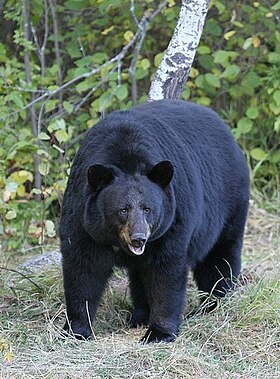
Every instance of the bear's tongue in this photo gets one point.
(137, 250)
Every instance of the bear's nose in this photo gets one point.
(138, 239)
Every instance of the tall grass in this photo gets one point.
(241, 339)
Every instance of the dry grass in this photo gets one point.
(241, 339)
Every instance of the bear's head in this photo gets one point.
(125, 210)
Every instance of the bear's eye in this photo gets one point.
(123, 211)
(147, 210)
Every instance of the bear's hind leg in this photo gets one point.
(141, 311)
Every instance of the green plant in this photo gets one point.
(77, 77)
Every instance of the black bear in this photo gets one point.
(159, 189)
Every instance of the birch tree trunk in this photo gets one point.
(173, 71)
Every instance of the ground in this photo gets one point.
(241, 339)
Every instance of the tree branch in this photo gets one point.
(142, 27)
(145, 20)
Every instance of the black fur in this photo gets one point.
(122, 182)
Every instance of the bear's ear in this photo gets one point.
(161, 173)
(99, 176)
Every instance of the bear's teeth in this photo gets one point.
(136, 250)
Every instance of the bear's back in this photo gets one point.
(183, 132)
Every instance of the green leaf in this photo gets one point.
(275, 157)
(231, 72)
(42, 152)
(60, 123)
(186, 93)
(99, 58)
(57, 125)
(212, 80)
(36, 191)
(81, 71)
(121, 92)
(50, 229)
(145, 63)
(247, 43)
(252, 113)
(141, 73)
(76, 5)
(68, 106)
(276, 6)
(223, 57)
(83, 117)
(50, 105)
(44, 168)
(276, 97)
(204, 101)
(220, 6)
(244, 125)
(43, 136)
(273, 57)
(61, 135)
(207, 62)
(275, 109)
(17, 100)
(84, 85)
(258, 154)
(213, 28)
(10, 215)
(251, 80)
(157, 59)
(277, 125)
(203, 50)
(200, 81)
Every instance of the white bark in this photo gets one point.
(173, 71)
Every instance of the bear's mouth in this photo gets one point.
(137, 250)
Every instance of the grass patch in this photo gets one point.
(241, 339)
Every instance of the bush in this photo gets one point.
(74, 44)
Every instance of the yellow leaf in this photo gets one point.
(171, 3)
(193, 73)
(107, 31)
(21, 176)
(256, 41)
(90, 123)
(128, 35)
(21, 190)
(229, 34)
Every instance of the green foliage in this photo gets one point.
(236, 71)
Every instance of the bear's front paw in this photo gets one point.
(76, 329)
(140, 317)
(156, 336)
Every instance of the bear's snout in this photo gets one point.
(134, 241)
(138, 239)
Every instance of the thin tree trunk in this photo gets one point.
(26, 23)
(56, 49)
(173, 71)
